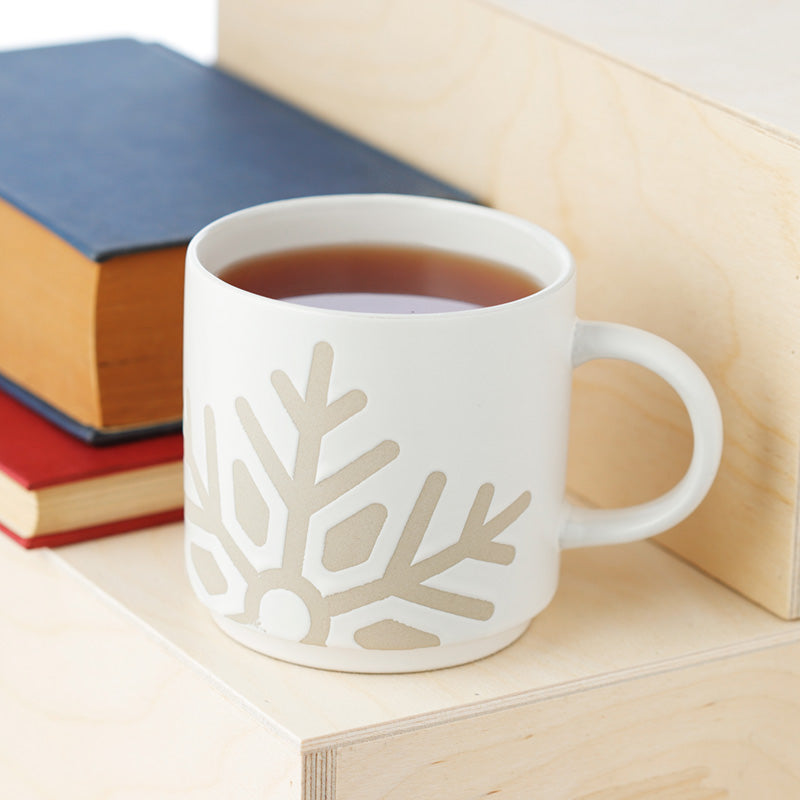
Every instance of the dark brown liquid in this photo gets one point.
(380, 278)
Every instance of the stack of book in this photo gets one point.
(55, 489)
(112, 155)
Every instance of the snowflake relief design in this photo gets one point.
(347, 543)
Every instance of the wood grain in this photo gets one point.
(743, 60)
(682, 216)
(703, 733)
(619, 613)
(92, 708)
(643, 679)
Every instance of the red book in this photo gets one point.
(55, 489)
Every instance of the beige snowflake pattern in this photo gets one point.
(347, 543)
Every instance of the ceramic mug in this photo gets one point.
(385, 492)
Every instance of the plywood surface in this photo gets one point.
(682, 216)
(620, 612)
(740, 54)
(643, 679)
(92, 708)
(707, 732)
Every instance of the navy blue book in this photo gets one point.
(113, 154)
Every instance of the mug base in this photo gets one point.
(342, 659)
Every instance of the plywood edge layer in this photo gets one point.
(318, 775)
(582, 686)
(794, 604)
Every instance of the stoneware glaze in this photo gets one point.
(385, 492)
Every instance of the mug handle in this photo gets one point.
(584, 526)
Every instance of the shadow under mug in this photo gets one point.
(385, 492)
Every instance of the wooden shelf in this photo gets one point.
(644, 678)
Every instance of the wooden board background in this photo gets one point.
(683, 217)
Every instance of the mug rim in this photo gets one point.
(542, 236)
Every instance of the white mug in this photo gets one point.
(385, 492)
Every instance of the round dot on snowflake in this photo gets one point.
(284, 615)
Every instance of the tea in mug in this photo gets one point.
(380, 278)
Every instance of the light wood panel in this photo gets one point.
(619, 613)
(643, 679)
(683, 217)
(93, 709)
(709, 732)
(739, 54)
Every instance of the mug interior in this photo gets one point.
(400, 220)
